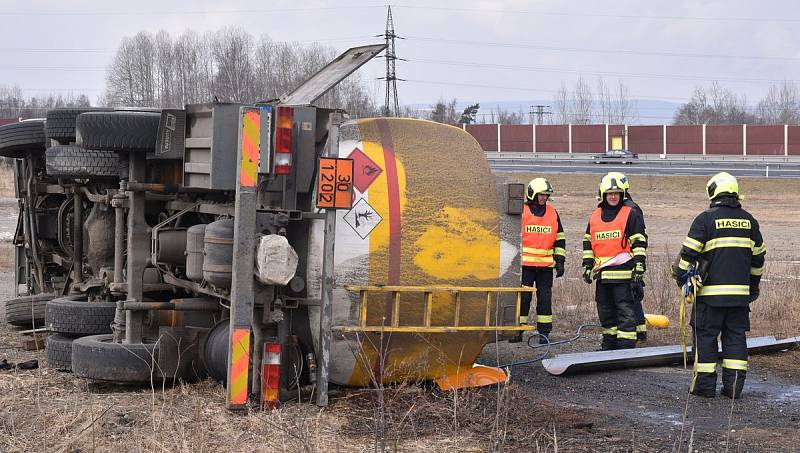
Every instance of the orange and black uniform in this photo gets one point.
(613, 231)
(543, 243)
(725, 245)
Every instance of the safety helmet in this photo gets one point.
(538, 186)
(722, 183)
(610, 183)
(622, 180)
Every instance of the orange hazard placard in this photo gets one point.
(335, 185)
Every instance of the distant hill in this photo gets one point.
(649, 111)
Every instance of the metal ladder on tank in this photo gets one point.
(394, 293)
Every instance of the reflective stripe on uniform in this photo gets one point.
(537, 251)
(693, 244)
(725, 290)
(728, 241)
(641, 328)
(546, 319)
(610, 331)
(561, 236)
(683, 264)
(626, 335)
(705, 367)
(537, 259)
(587, 237)
(757, 270)
(615, 275)
(588, 254)
(733, 364)
(639, 251)
(558, 251)
(523, 320)
(637, 237)
(759, 250)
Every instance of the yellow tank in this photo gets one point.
(425, 213)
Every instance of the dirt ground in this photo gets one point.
(631, 410)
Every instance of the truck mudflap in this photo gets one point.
(425, 213)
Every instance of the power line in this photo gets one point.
(600, 73)
(603, 51)
(475, 85)
(637, 17)
(188, 12)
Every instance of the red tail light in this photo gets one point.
(271, 376)
(283, 141)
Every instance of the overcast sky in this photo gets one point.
(492, 50)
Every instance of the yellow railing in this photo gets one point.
(428, 292)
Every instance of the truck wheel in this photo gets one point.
(117, 131)
(59, 352)
(19, 139)
(60, 124)
(79, 318)
(98, 358)
(27, 310)
(75, 162)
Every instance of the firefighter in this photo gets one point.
(542, 251)
(725, 246)
(637, 288)
(614, 253)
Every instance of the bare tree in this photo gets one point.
(781, 105)
(13, 104)
(444, 112)
(715, 105)
(582, 102)
(606, 109)
(625, 108)
(562, 104)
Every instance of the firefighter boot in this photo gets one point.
(705, 385)
(732, 383)
(609, 342)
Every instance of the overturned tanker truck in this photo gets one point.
(268, 246)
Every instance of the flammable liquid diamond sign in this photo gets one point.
(362, 218)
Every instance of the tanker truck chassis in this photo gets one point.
(174, 244)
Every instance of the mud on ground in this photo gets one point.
(632, 410)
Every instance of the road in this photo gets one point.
(647, 167)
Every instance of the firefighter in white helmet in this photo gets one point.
(636, 287)
(614, 254)
(542, 251)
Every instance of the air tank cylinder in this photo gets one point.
(218, 253)
(194, 252)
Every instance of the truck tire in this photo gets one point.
(60, 124)
(59, 352)
(19, 139)
(117, 131)
(75, 162)
(27, 310)
(98, 358)
(79, 318)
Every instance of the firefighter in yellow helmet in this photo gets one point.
(636, 287)
(614, 254)
(542, 251)
(724, 246)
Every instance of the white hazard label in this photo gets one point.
(362, 218)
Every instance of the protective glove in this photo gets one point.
(637, 275)
(587, 274)
(637, 289)
(679, 275)
(754, 293)
(559, 269)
